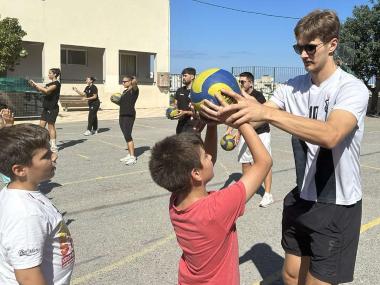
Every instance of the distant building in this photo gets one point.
(105, 39)
(266, 85)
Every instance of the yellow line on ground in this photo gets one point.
(83, 156)
(123, 261)
(103, 177)
(118, 146)
(277, 275)
(371, 167)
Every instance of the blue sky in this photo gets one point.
(203, 36)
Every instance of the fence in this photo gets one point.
(20, 97)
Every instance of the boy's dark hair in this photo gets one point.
(248, 75)
(18, 144)
(323, 24)
(92, 78)
(189, 70)
(173, 159)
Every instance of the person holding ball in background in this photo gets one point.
(91, 93)
(49, 115)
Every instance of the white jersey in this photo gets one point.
(327, 175)
(33, 233)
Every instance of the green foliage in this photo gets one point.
(11, 35)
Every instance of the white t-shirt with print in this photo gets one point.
(33, 233)
(327, 175)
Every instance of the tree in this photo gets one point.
(11, 35)
(360, 37)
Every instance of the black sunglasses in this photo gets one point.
(309, 48)
(242, 81)
(124, 81)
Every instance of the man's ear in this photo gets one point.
(196, 175)
(19, 170)
(333, 45)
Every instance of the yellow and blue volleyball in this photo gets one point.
(227, 142)
(171, 113)
(210, 82)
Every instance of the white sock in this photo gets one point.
(52, 143)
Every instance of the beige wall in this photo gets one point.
(139, 26)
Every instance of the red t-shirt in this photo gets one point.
(206, 232)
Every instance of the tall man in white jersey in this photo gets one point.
(324, 111)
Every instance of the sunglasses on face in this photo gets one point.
(242, 82)
(309, 48)
(125, 81)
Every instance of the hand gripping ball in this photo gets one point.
(115, 98)
(171, 113)
(227, 142)
(210, 82)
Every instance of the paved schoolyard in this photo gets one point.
(119, 218)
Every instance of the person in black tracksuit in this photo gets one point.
(92, 97)
(127, 115)
(49, 115)
(182, 102)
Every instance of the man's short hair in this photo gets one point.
(189, 70)
(18, 144)
(323, 24)
(173, 159)
(247, 74)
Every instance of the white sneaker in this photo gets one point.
(124, 159)
(54, 149)
(267, 200)
(132, 160)
(87, 133)
(94, 132)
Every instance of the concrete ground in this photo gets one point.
(119, 218)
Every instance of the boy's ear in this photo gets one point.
(19, 170)
(196, 175)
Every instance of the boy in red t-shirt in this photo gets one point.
(204, 222)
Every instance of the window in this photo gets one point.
(128, 64)
(70, 56)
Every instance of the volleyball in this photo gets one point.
(171, 113)
(210, 82)
(23, 53)
(227, 142)
(115, 98)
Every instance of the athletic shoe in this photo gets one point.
(132, 160)
(267, 200)
(54, 149)
(87, 133)
(124, 159)
(94, 132)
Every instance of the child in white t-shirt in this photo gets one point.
(35, 244)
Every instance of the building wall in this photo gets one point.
(138, 26)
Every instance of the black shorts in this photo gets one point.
(328, 233)
(49, 115)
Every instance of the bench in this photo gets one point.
(72, 101)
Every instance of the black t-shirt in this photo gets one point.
(51, 100)
(183, 98)
(261, 99)
(90, 91)
(127, 102)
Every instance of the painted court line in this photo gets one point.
(123, 261)
(130, 258)
(371, 167)
(103, 177)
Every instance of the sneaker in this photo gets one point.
(124, 159)
(267, 200)
(94, 132)
(87, 133)
(131, 160)
(54, 149)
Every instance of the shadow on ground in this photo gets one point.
(47, 186)
(66, 144)
(267, 262)
(140, 150)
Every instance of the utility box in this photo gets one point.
(163, 79)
